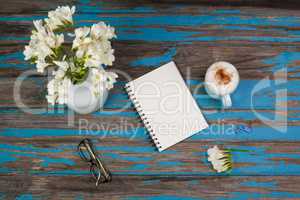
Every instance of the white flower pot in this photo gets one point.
(81, 97)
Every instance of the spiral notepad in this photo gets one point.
(166, 106)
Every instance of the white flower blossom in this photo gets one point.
(41, 65)
(102, 31)
(60, 17)
(101, 80)
(58, 89)
(81, 41)
(81, 37)
(220, 159)
(52, 88)
(42, 44)
(91, 50)
(93, 44)
(98, 56)
(63, 88)
(63, 65)
(110, 79)
(44, 35)
(29, 52)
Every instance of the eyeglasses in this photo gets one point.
(97, 168)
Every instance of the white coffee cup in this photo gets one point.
(221, 79)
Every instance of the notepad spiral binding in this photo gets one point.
(142, 115)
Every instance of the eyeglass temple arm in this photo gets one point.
(105, 171)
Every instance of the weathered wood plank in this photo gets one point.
(246, 97)
(136, 187)
(44, 152)
(146, 6)
(34, 89)
(63, 118)
(150, 34)
(136, 58)
(204, 26)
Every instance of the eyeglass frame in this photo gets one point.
(94, 162)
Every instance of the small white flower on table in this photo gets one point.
(221, 160)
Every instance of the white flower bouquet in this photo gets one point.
(87, 56)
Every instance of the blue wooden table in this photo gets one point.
(38, 158)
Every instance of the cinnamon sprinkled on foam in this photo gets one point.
(222, 77)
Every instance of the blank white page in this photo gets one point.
(166, 106)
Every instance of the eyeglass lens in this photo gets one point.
(84, 154)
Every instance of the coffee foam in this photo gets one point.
(221, 78)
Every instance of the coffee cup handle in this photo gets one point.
(226, 101)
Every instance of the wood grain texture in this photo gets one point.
(54, 153)
(137, 58)
(137, 187)
(127, 6)
(38, 158)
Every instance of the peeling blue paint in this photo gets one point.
(102, 7)
(154, 34)
(5, 158)
(271, 194)
(173, 20)
(2, 196)
(164, 29)
(137, 167)
(170, 163)
(29, 148)
(259, 133)
(151, 182)
(241, 98)
(261, 184)
(283, 60)
(156, 61)
(239, 28)
(79, 197)
(128, 27)
(227, 11)
(25, 197)
(162, 197)
(11, 153)
(128, 158)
